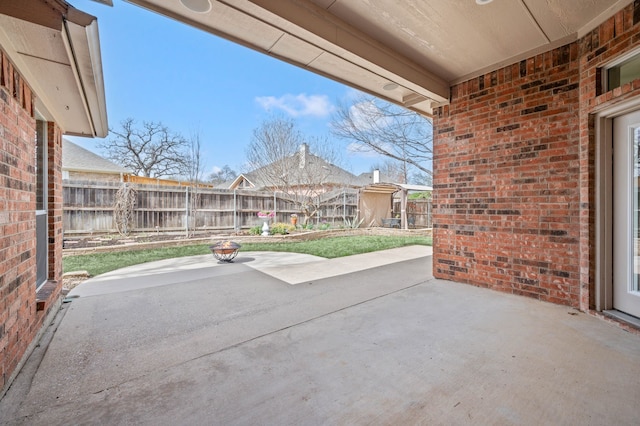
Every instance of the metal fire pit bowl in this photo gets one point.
(225, 251)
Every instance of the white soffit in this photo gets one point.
(250, 25)
(64, 69)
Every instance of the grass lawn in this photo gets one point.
(100, 263)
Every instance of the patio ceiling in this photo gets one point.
(408, 52)
(56, 48)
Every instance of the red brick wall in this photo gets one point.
(20, 318)
(514, 170)
(506, 175)
(615, 37)
(17, 219)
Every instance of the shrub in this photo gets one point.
(281, 228)
(324, 226)
(256, 230)
(353, 223)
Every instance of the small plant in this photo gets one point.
(266, 214)
(282, 228)
(324, 226)
(353, 223)
(256, 230)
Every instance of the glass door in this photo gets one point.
(626, 213)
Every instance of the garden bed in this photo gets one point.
(111, 243)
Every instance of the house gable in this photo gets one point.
(82, 164)
(301, 170)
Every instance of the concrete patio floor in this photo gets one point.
(370, 339)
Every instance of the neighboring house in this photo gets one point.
(50, 84)
(300, 172)
(241, 182)
(79, 163)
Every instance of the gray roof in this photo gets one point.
(315, 166)
(77, 158)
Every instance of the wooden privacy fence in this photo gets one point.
(418, 212)
(89, 207)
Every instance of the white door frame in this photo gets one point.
(604, 200)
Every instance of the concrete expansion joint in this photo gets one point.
(291, 326)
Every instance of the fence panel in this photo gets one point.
(88, 207)
(418, 212)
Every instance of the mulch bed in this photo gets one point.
(93, 241)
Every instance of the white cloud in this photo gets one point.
(298, 105)
(367, 116)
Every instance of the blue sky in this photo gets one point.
(157, 69)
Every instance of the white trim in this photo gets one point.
(604, 209)
(620, 59)
(42, 126)
(603, 120)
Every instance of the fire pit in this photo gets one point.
(225, 251)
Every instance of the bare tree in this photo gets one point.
(194, 168)
(223, 175)
(284, 160)
(151, 150)
(371, 124)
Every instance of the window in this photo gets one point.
(41, 203)
(622, 71)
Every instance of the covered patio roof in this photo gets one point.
(57, 49)
(390, 188)
(407, 52)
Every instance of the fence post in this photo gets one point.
(275, 207)
(186, 211)
(344, 206)
(235, 211)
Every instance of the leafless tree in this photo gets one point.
(286, 161)
(223, 175)
(371, 124)
(151, 150)
(194, 168)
